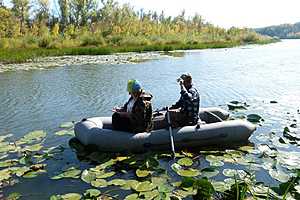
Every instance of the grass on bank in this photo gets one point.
(19, 55)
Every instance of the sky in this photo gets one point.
(228, 13)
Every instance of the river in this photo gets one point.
(256, 74)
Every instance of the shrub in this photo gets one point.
(90, 40)
(44, 41)
(4, 43)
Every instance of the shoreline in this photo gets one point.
(30, 59)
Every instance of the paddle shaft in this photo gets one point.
(171, 132)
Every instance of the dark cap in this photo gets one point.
(186, 76)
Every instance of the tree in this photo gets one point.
(8, 27)
(21, 11)
(64, 13)
(42, 11)
(81, 11)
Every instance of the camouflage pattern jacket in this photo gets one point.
(141, 115)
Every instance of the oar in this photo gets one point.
(171, 132)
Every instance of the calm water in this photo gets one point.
(43, 99)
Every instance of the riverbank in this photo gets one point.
(42, 58)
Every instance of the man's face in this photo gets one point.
(187, 83)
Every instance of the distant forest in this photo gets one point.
(283, 31)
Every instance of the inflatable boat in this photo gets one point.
(212, 130)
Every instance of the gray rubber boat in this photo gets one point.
(212, 131)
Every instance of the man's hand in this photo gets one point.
(116, 109)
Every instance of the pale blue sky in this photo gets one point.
(227, 13)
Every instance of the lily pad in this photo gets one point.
(117, 182)
(185, 162)
(142, 173)
(144, 186)
(6, 147)
(9, 163)
(33, 174)
(132, 197)
(99, 183)
(88, 176)
(32, 137)
(65, 132)
(104, 174)
(66, 125)
(233, 105)
(71, 196)
(91, 193)
(14, 196)
(279, 174)
(220, 186)
(254, 118)
(235, 173)
(69, 173)
(33, 148)
(5, 174)
(209, 172)
(188, 172)
(149, 194)
(3, 137)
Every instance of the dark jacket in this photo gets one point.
(141, 115)
(189, 104)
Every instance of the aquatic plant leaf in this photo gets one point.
(66, 125)
(33, 148)
(92, 193)
(14, 196)
(176, 167)
(188, 172)
(117, 182)
(254, 118)
(159, 180)
(279, 175)
(129, 184)
(6, 147)
(31, 137)
(234, 173)
(9, 163)
(220, 186)
(33, 174)
(216, 163)
(5, 174)
(142, 173)
(132, 197)
(104, 174)
(65, 132)
(233, 105)
(185, 162)
(99, 183)
(149, 194)
(3, 155)
(69, 173)
(297, 188)
(248, 149)
(209, 172)
(88, 176)
(20, 171)
(144, 186)
(184, 194)
(71, 196)
(3, 137)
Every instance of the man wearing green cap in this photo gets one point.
(186, 110)
(136, 115)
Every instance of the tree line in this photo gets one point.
(71, 23)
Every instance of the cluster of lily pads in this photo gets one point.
(209, 174)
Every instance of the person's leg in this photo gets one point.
(121, 122)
